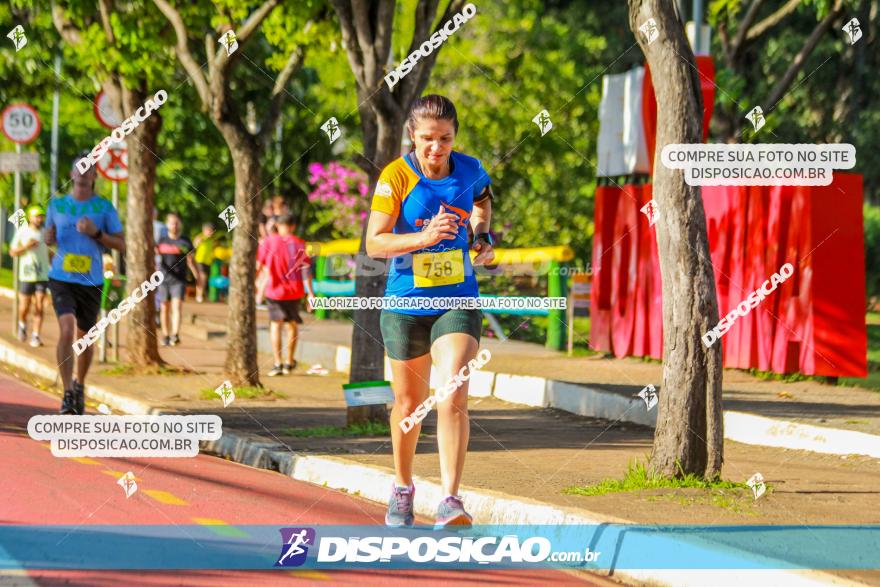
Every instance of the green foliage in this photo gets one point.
(367, 429)
(505, 65)
(639, 477)
(512, 60)
(872, 251)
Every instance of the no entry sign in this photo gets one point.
(21, 124)
(114, 164)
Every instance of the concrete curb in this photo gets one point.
(486, 506)
(752, 429)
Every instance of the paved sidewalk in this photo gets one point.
(523, 452)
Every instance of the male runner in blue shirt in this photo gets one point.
(81, 224)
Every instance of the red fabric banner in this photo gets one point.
(813, 323)
(706, 69)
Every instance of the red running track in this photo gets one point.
(40, 488)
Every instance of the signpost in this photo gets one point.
(579, 303)
(21, 125)
(114, 167)
(17, 161)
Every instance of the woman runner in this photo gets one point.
(421, 210)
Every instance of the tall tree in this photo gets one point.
(119, 43)
(367, 31)
(689, 436)
(739, 36)
(247, 145)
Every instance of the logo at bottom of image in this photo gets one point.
(422, 547)
(295, 544)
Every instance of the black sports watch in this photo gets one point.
(486, 237)
(98, 235)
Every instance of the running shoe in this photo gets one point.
(35, 341)
(166, 341)
(68, 404)
(400, 507)
(451, 513)
(287, 368)
(80, 391)
(175, 340)
(22, 332)
(276, 370)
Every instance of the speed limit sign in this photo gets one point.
(21, 124)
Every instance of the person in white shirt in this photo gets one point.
(33, 272)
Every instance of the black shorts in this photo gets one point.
(204, 267)
(283, 310)
(407, 336)
(83, 301)
(29, 288)
(171, 289)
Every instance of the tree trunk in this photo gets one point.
(689, 434)
(242, 367)
(381, 139)
(140, 264)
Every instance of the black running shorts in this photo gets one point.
(407, 336)
(83, 301)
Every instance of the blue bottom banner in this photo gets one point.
(606, 547)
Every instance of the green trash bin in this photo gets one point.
(112, 292)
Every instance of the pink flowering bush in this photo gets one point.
(340, 198)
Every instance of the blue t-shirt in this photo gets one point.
(444, 269)
(78, 258)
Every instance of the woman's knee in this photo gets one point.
(455, 402)
(406, 403)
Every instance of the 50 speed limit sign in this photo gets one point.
(21, 124)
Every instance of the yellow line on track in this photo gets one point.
(306, 574)
(164, 497)
(117, 474)
(220, 527)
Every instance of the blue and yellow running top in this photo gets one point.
(442, 270)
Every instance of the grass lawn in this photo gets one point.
(244, 392)
(366, 429)
(872, 381)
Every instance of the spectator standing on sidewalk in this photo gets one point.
(204, 244)
(284, 255)
(33, 272)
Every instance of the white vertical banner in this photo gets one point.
(621, 145)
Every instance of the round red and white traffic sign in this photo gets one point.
(105, 112)
(114, 164)
(21, 123)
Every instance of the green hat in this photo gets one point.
(36, 210)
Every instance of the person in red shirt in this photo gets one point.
(284, 256)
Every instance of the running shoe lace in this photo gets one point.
(402, 499)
